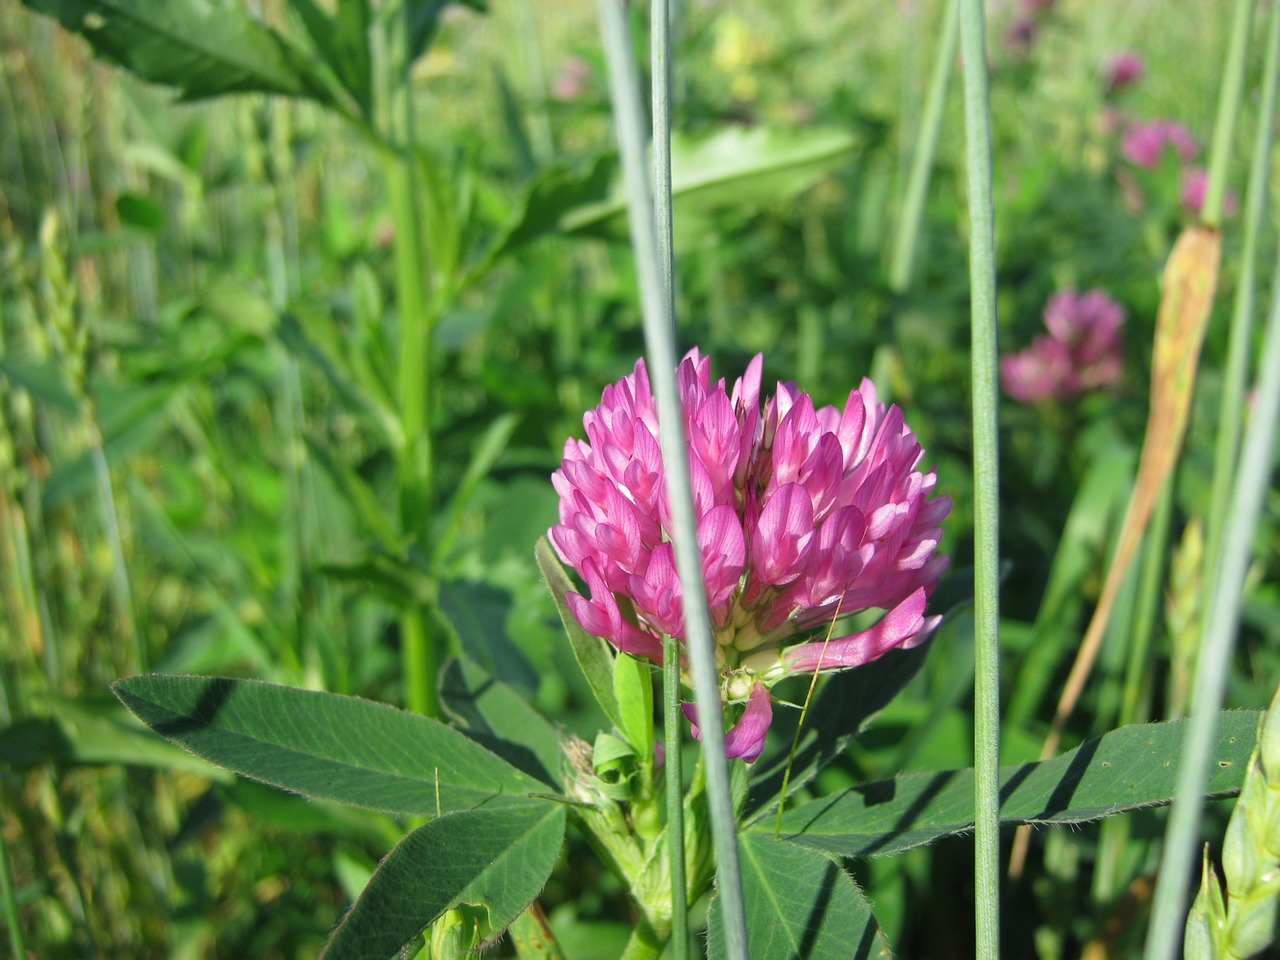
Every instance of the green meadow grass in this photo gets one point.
(203, 425)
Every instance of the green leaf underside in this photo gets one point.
(324, 745)
(497, 860)
(202, 48)
(499, 719)
(798, 904)
(1125, 769)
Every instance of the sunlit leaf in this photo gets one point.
(498, 718)
(798, 904)
(1125, 769)
(495, 861)
(324, 745)
(204, 48)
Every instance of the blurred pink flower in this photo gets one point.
(1122, 70)
(804, 514)
(571, 82)
(1143, 143)
(1194, 183)
(1082, 352)
(1040, 371)
(1022, 33)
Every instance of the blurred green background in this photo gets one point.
(199, 424)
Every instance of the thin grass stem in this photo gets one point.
(986, 515)
(660, 97)
(660, 351)
(660, 85)
(1224, 125)
(908, 237)
(1231, 411)
(9, 896)
(1222, 616)
(674, 796)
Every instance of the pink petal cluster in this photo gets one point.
(804, 514)
(1083, 350)
(571, 82)
(1194, 183)
(1023, 30)
(1143, 144)
(1123, 70)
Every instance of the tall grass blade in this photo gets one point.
(1222, 616)
(986, 481)
(661, 354)
(908, 237)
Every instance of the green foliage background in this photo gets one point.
(200, 418)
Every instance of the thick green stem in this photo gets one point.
(420, 645)
(986, 515)
(645, 943)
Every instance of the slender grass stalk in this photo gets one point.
(674, 796)
(420, 646)
(1231, 411)
(1224, 125)
(1155, 555)
(908, 236)
(661, 354)
(986, 515)
(660, 84)
(9, 896)
(1135, 691)
(660, 97)
(1222, 615)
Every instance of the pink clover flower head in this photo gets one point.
(1194, 183)
(804, 514)
(1143, 144)
(571, 82)
(1041, 371)
(1021, 34)
(1123, 70)
(1082, 352)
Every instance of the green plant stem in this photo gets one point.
(1137, 682)
(1113, 836)
(1224, 125)
(1231, 411)
(661, 354)
(420, 646)
(1223, 616)
(674, 796)
(660, 99)
(645, 943)
(660, 50)
(908, 236)
(986, 516)
(10, 897)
